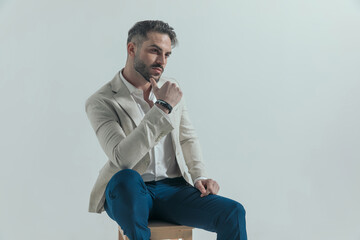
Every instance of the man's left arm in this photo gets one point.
(193, 157)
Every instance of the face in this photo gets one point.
(151, 58)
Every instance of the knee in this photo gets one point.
(239, 210)
(235, 214)
(233, 222)
(124, 179)
(125, 175)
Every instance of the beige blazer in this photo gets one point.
(127, 138)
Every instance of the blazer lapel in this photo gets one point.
(123, 97)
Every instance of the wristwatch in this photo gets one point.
(164, 104)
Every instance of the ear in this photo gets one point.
(131, 49)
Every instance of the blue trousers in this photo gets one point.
(131, 203)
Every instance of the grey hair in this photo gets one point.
(138, 33)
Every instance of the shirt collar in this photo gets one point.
(132, 89)
(135, 91)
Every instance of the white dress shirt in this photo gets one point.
(163, 162)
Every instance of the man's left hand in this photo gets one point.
(207, 186)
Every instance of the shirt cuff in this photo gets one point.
(199, 178)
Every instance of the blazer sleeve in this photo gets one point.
(190, 146)
(125, 151)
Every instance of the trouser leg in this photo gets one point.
(128, 203)
(181, 203)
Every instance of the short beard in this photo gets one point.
(141, 68)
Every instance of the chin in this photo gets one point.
(157, 78)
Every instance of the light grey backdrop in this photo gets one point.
(272, 88)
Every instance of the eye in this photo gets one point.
(154, 50)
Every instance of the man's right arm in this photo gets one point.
(125, 151)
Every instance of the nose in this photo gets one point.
(161, 59)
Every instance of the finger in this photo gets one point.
(211, 188)
(207, 192)
(200, 187)
(206, 189)
(217, 188)
(154, 84)
(215, 191)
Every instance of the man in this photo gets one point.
(142, 124)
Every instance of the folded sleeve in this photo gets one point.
(125, 151)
